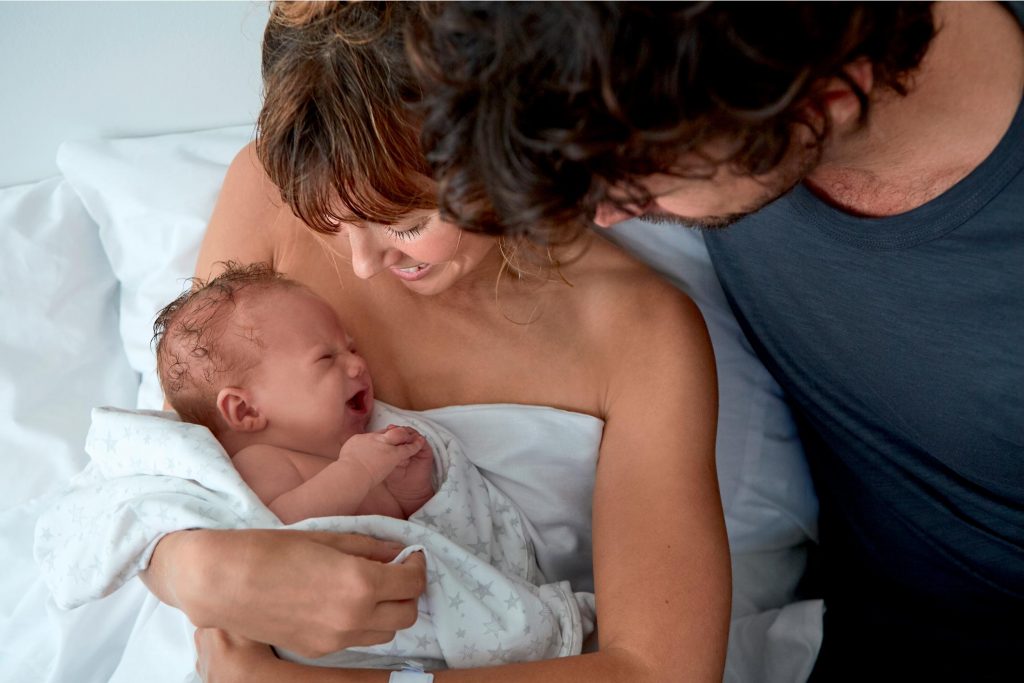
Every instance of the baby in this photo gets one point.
(266, 365)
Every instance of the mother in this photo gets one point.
(449, 317)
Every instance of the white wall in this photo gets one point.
(79, 70)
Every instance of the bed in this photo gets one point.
(103, 202)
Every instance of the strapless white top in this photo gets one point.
(544, 459)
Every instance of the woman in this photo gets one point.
(446, 317)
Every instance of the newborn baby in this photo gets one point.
(266, 365)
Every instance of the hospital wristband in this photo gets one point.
(412, 672)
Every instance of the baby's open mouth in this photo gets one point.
(357, 402)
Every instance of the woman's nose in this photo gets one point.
(369, 256)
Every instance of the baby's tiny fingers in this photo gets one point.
(400, 435)
(407, 450)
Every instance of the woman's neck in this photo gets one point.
(510, 281)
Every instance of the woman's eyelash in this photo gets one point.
(407, 234)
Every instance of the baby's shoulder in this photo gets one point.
(266, 458)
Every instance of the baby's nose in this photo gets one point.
(356, 365)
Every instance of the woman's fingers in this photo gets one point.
(356, 544)
(311, 592)
(405, 581)
(368, 638)
(394, 616)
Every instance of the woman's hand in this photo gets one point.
(306, 591)
(223, 657)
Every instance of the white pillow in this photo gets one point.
(152, 198)
(60, 353)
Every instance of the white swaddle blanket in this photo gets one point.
(486, 601)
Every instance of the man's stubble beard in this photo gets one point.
(790, 175)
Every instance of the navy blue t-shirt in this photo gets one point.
(900, 343)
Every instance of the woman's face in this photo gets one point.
(426, 253)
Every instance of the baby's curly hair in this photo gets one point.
(194, 360)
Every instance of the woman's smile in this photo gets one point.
(411, 273)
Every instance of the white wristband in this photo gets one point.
(410, 677)
(412, 672)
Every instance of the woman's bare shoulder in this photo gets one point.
(248, 221)
(629, 287)
(627, 306)
(649, 341)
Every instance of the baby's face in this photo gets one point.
(312, 386)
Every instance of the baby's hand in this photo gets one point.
(381, 452)
(411, 482)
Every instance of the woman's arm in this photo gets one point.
(309, 592)
(660, 549)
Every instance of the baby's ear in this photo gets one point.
(238, 411)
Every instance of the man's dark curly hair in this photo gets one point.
(534, 113)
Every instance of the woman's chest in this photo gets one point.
(439, 360)
(424, 352)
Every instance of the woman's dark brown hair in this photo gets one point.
(534, 113)
(337, 132)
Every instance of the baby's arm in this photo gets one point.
(272, 474)
(338, 489)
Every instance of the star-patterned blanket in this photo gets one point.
(486, 601)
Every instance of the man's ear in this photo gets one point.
(237, 409)
(839, 97)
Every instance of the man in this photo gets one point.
(871, 159)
